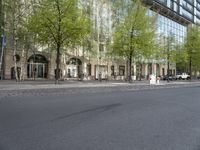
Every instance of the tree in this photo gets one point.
(169, 51)
(1, 17)
(59, 23)
(16, 12)
(134, 36)
(180, 57)
(192, 47)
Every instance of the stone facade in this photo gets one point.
(42, 64)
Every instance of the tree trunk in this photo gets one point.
(59, 39)
(168, 57)
(168, 67)
(22, 65)
(127, 69)
(15, 60)
(190, 67)
(57, 75)
(140, 71)
(130, 68)
(14, 32)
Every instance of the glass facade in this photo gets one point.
(167, 27)
(188, 9)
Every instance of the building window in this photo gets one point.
(121, 70)
(175, 7)
(163, 71)
(89, 69)
(112, 70)
(198, 6)
(101, 47)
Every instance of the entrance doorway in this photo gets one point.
(74, 68)
(37, 67)
(13, 72)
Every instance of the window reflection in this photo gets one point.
(166, 26)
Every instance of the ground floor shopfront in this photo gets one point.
(42, 66)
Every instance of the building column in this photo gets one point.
(134, 71)
(84, 71)
(146, 71)
(154, 67)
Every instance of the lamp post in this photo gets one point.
(3, 37)
(3, 45)
(130, 55)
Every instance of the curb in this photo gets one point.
(25, 86)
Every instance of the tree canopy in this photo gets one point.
(136, 29)
(59, 23)
(192, 47)
(134, 35)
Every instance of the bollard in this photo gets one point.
(152, 79)
(158, 80)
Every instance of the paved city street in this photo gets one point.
(100, 75)
(100, 116)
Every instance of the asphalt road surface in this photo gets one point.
(150, 119)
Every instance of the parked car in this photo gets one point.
(183, 76)
(170, 77)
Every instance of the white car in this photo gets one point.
(183, 76)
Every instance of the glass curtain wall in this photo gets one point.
(170, 34)
(168, 27)
(189, 9)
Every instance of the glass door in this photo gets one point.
(37, 70)
(40, 72)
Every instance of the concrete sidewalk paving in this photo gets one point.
(50, 84)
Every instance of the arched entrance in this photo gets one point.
(37, 66)
(74, 68)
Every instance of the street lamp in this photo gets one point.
(3, 37)
(3, 45)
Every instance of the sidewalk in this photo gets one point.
(47, 84)
(50, 84)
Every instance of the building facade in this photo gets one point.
(174, 17)
(34, 61)
(182, 11)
